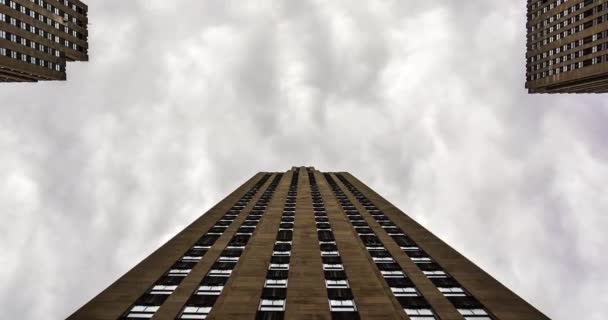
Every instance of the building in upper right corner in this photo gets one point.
(567, 46)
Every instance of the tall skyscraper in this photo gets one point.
(37, 37)
(306, 245)
(567, 46)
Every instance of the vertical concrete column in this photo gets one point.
(306, 293)
(241, 296)
(171, 308)
(114, 301)
(441, 305)
(372, 295)
(497, 298)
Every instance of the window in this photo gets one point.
(420, 314)
(332, 267)
(279, 266)
(392, 274)
(474, 314)
(342, 305)
(220, 273)
(452, 291)
(329, 253)
(179, 272)
(325, 235)
(139, 311)
(210, 290)
(272, 305)
(161, 289)
(336, 284)
(191, 258)
(228, 259)
(276, 283)
(195, 313)
(435, 274)
(405, 292)
(383, 259)
(281, 253)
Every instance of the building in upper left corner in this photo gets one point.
(38, 37)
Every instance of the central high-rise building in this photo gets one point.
(303, 244)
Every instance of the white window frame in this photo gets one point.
(162, 289)
(219, 273)
(272, 305)
(179, 272)
(342, 305)
(278, 266)
(336, 284)
(332, 266)
(209, 290)
(195, 313)
(405, 292)
(275, 283)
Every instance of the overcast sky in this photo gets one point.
(182, 101)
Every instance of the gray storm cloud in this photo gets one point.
(182, 101)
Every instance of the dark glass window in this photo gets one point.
(341, 315)
(274, 293)
(239, 240)
(151, 299)
(432, 266)
(207, 240)
(339, 294)
(277, 274)
(325, 235)
(169, 281)
(388, 266)
(270, 315)
(279, 259)
(416, 254)
(183, 265)
(331, 260)
(284, 235)
(245, 230)
(370, 240)
(224, 265)
(282, 247)
(323, 226)
(231, 253)
(335, 275)
(196, 252)
(328, 247)
(465, 302)
(202, 301)
(217, 230)
(214, 281)
(413, 302)
(380, 254)
(445, 282)
(286, 225)
(403, 241)
(399, 282)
